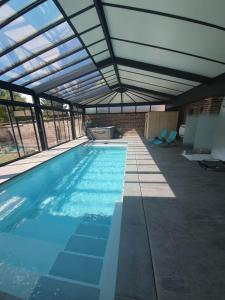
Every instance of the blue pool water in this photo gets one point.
(56, 222)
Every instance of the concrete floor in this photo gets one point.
(173, 219)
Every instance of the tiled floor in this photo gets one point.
(19, 166)
(135, 278)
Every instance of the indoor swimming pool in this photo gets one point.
(60, 226)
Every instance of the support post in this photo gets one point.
(72, 122)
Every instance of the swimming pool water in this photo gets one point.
(56, 225)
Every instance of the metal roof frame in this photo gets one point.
(206, 86)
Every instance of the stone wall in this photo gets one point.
(131, 123)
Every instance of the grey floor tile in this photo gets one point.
(77, 267)
(53, 289)
(93, 230)
(87, 245)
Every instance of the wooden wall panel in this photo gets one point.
(155, 121)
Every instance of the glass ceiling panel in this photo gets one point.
(85, 91)
(145, 95)
(43, 41)
(12, 7)
(149, 86)
(117, 99)
(29, 24)
(140, 98)
(80, 90)
(61, 73)
(91, 94)
(53, 67)
(98, 97)
(44, 58)
(86, 20)
(76, 81)
(93, 36)
(70, 8)
(77, 86)
(101, 46)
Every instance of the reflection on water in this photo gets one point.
(67, 202)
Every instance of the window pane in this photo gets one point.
(77, 126)
(143, 108)
(8, 149)
(56, 104)
(158, 107)
(24, 130)
(12, 7)
(115, 109)
(49, 127)
(60, 127)
(93, 92)
(41, 42)
(77, 87)
(77, 67)
(74, 108)
(24, 118)
(28, 24)
(129, 108)
(90, 110)
(4, 94)
(61, 73)
(75, 82)
(22, 97)
(53, 67)
(44, 58)
(102, 110)
(67, 122)
(82, 131)
(45, 102)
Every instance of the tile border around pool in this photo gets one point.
(14, 169)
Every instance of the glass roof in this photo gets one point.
(34, 46)
(39, 46)
(12, 7)
(28, 24)
(148, 51)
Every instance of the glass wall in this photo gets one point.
(57, 122)
(8, 145)
(79, 125)
(18, 128)
(123, 109)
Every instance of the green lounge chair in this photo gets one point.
(169, 140)
(159, 140)
(171, 137)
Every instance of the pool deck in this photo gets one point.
(173, 225)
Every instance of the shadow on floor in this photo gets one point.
(184, 208)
